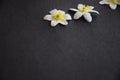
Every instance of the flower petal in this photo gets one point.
(77, 15)
(94, 11)
(63, 12)
(103, 2)
(88, 17)
(63, 22)
(72, 9)
(91, 7)
(80, 5)
(113, 6)
(54, 23)
(53, 11)
(48, 17)
(68, 17)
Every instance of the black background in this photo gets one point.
(31, 50)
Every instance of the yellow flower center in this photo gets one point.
(113, 1)
(58, 15)
(84, 8)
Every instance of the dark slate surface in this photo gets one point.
(31, 50)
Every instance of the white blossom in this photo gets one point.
(57, 16)
(112, 3)
(84, 10)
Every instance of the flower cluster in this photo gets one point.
(60, 17)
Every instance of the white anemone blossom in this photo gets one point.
(57, 16)
(112, 3)
(84, 10)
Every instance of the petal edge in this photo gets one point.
(88, 17)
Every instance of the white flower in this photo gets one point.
(57, 16)
(84, 10)
(112, 3)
